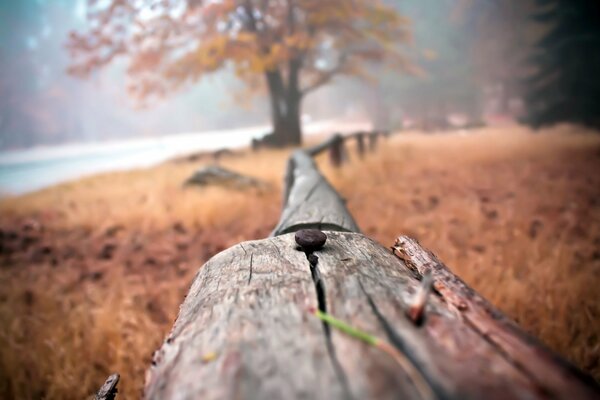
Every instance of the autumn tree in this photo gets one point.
(289, 47)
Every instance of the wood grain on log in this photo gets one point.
(244, 332)
(247, 305)
(549, 372)
(310, 201)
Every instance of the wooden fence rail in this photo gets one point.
(249, 327)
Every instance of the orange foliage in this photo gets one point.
(171, 43)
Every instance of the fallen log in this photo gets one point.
(389, 324)
(310, 201)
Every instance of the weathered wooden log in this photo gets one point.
(550, 375)
(310, 201)
(325, 145)
(244, 331)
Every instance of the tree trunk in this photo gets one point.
(285, 110)
(292, 125)
(284, 99)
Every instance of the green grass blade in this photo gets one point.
(347, 329)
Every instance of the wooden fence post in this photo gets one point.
(373, 140)
(336, 151)
(251, 325)
(360, 144)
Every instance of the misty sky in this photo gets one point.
(41, 104)
(37, 91)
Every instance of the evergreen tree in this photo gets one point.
(447, 82)
(566, 84)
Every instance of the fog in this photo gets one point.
(341, 168)
(43, 105)
(466, 54)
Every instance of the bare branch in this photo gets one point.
(326, 76)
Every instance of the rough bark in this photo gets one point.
(285, 101)
(244, 331)
(549, 373)
(247, 305)
(285, 98)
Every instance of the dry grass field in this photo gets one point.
(92, 272)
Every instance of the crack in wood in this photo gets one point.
(401, 346)
(313, 188)
(278, 250)
(262, 330)
(498, 347)
(491, 325)
(251, 258)
(315, 273)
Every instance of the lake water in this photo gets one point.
(32, 169)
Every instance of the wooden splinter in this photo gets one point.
(416, 310)
(108, 391)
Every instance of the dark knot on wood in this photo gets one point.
(310, 239)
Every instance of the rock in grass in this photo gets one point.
(216, 175)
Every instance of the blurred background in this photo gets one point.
(469, 64)
(108, 107)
